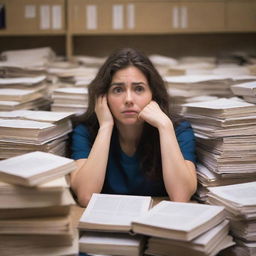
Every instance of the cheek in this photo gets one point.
(112, 103)
(146, 100)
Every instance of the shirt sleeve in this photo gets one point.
(186, 140)
(80, 142)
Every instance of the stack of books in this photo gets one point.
(35, 206)
(89, 61)
(240, 205)
(23, 131)
(70, 99)
(36, 57)
(18, 72)
(184, 229)
(182, 87)
(105, 225)
(173, 228)
(207, 178)
(246, 90)
(225, 131)
(73, 74)
(23, 93)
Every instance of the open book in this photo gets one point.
(180, 221)
(35, 168)
(113, 212)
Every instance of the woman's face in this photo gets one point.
(128, 94)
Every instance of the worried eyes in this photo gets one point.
(119, 89)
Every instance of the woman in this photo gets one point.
(128, 143)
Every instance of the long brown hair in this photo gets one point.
(149, 145)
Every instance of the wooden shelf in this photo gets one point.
(75, 19)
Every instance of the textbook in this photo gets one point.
(239, 199)
(39, 245)
(37, 115)
(34, 132)
(106, 212)
(209, 243)
(48, 225)
(49, 199)
(180, 221)
(111, 243)
(35, 168)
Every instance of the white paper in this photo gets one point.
(130, 16)
(56, 17)
(44, 17)
(30, 11)
(33, 163)
(117, 16)
(22, 80)
(179, 216)
(242, 194)
(91, 17)
(115, 209)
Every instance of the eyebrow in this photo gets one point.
(123, 84)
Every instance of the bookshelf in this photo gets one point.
(73, 26)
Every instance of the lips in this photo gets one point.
(130, 112)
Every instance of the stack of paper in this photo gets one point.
(112, 214)
(23, 131)
(198, 85)
(23, 93)
(240, 204)
(36, 215)
(246, 90)
(70, 99)
(29, 57)
(225, 131)
(18, 72)
(184, 229)
(34, 168)
(163, 63)
(89, 61)
(209, 243)
(207, 178)
(72, 75)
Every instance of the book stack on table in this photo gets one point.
(24, 131)
(169, 228)
(35, 206)
(240, 205)
(105, 225)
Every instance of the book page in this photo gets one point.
(25, 124)
(115, 209)
(110, 239)
(193, 78)
(72, 90)
(22, 80)
(179, 216)
(249, 85)
(37, 115)
(33, 163)
(242, 194)
(219, 104)
(206, 237)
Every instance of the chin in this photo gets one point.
(131, 121)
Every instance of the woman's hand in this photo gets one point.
(153, 115)
(102, 111)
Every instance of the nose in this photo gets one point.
(128, 97)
